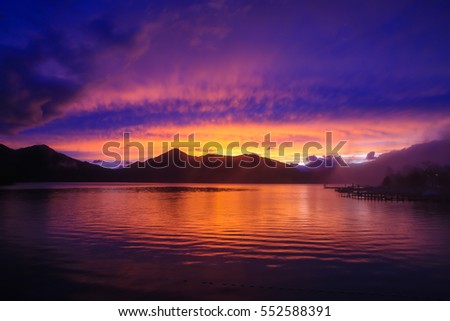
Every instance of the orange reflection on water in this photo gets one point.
(169, 239)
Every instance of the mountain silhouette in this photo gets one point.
(177, 166)
(40, 163)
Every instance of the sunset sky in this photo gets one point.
(75, 74)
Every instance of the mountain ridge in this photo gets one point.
(40, 163)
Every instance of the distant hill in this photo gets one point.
(373, 172)
(177, 166)
(40, 163)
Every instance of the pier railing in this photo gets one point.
(380, 194)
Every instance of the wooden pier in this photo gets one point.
(380, 194)
(335, 186)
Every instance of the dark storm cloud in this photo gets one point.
(49, 63)
(26, 96)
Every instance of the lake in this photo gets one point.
(218, 242)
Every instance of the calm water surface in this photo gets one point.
(197, 241)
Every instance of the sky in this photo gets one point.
(76, 74)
